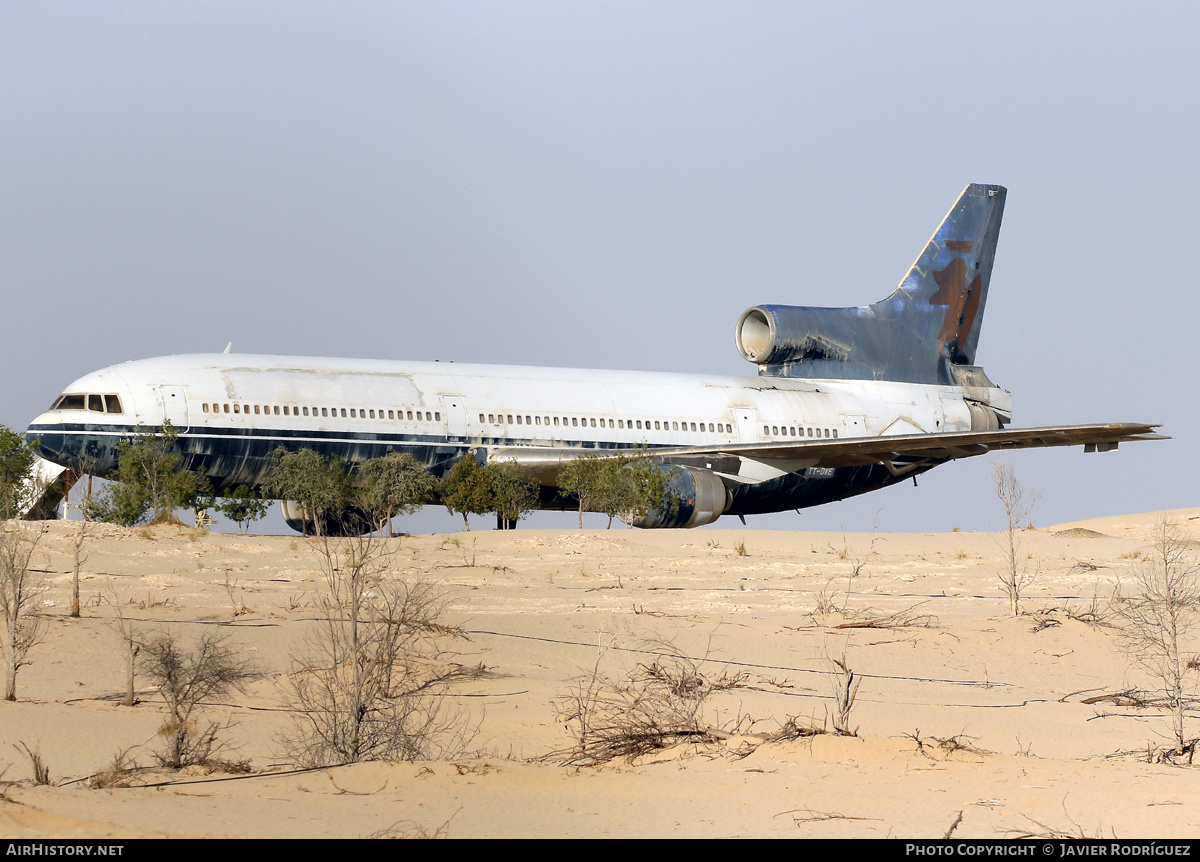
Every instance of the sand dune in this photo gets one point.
(997, 703)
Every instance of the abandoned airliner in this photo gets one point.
(846, 400)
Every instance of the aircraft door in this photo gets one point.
(748, 429)
(455, 408)
(175, 408)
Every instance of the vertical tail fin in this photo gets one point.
(945, 291)
(928, 325)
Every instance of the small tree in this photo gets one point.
(393, 484)
(78, 559)
(467, 490)
(20, 590)
(151, 482)
(617, 485)
(186, 679)
(320, 485)
(1158, 617)
(512, 496)
(1018, 503)
(16, 473)
(242, 505)
(368, 685)
(585, 479)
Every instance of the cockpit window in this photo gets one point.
(71, 402)
(94, 403)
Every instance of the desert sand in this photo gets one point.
(997, 702)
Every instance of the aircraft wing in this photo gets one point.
(736, 461)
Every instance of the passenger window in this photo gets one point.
(555, 420)
(392, 415)
(353, 415)
(834, 433)
(519, 420)
(693, 426)
(593, 423)
(437, 417)
(481, 418)
(204, 407)
(324, 411)
(236, 408)
(226, 408)
(575, 422)
(537, 420)
(305, 410)
(639, 424)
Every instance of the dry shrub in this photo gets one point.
(1155, 622)
(21, 588)
(119, 773)
(1017, 503)
(186, 679)
(41, 772)
(653, 705)
(372, 682)
(845, 692)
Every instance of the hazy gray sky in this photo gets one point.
(610, 185)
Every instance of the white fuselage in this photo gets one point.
(233, 411)
(510, 404)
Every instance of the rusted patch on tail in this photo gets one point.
(962, 299)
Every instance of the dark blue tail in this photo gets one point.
(925, 332)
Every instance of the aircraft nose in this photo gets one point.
(47, 438)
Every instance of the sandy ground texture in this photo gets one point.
(963, 713)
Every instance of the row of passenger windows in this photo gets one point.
(604, 422)
(344, 412)
(95, 403)
(777, 431)
(98, 403)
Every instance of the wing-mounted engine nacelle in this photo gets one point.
(348, 522)
(698, 497)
